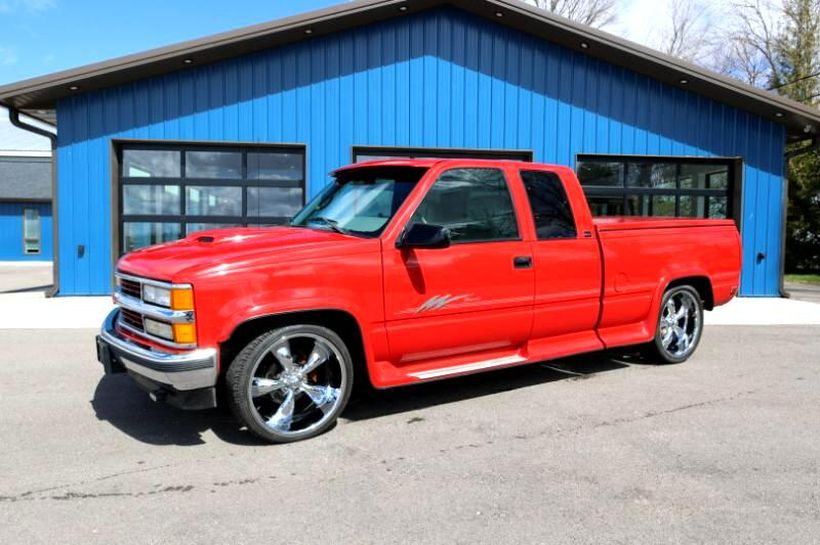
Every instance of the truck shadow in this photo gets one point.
(373, 403)
(120, 403)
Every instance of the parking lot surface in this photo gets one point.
(19, 277)
(722, 449)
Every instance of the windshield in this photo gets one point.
(360, 202)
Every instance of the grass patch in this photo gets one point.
(803, 278)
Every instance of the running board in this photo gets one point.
(468, 367)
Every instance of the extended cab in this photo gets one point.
(405, 271)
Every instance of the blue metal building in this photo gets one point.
(243, 127)
(25, 206)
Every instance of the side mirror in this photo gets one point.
(422, 235)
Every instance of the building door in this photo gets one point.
(167, 191)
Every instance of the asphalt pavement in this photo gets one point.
(722, 449)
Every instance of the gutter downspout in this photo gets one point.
(14, 117)
(787, 157)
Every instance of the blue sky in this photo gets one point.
(42, 36)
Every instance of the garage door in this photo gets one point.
(169, 190)
(659, 186)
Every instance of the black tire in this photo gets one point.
(257, 363)
(661, 349)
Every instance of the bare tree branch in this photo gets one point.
(690, 35)
(595, 13)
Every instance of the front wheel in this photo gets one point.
(680, 325)
(291, 383)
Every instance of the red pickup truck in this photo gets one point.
(405, 271)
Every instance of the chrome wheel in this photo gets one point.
(296, 384)
(680, 324)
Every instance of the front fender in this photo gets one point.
(352, 284)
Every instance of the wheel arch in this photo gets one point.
(702, 284)
(342, 322)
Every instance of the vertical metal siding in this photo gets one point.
(11, 232)
(436, 79)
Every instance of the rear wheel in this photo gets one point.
(680, 325)
(291, 383)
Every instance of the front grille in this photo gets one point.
(131, 318)
(129, 287)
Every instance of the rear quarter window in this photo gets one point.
(549, 204)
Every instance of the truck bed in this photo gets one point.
(641, 256)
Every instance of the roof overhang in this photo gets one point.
(38, 96)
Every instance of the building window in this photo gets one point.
(31, 231)
(170, 191)
(658, 186)
(371, 153)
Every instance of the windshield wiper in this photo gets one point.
(333, 224)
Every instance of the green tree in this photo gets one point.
(797, 76)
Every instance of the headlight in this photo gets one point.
(158, 329)
(156, 295)
(173, 298)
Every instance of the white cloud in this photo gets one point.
(639, 19)
(648, 21)
(26, 6)
(8, 56)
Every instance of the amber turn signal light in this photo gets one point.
(182, 299)
(185, 333)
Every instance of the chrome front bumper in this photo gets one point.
(183, 371)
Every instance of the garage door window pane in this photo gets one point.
(275, 166)
(196, 227)
(213, 164)
(692, 207)
(663, 206)
(717, 180)
(704, 176)
(606, 206)
(138, 163)
(150, 199)
(213, 201)
(651, 175)
(277, 202)
(717, 207)
(602, 174)
(140, 234)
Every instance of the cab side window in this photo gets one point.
(473, 203)
(551, 211)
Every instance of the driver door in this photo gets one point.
(475, 295)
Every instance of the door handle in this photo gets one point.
(522, 262)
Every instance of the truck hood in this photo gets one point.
(232, 249)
